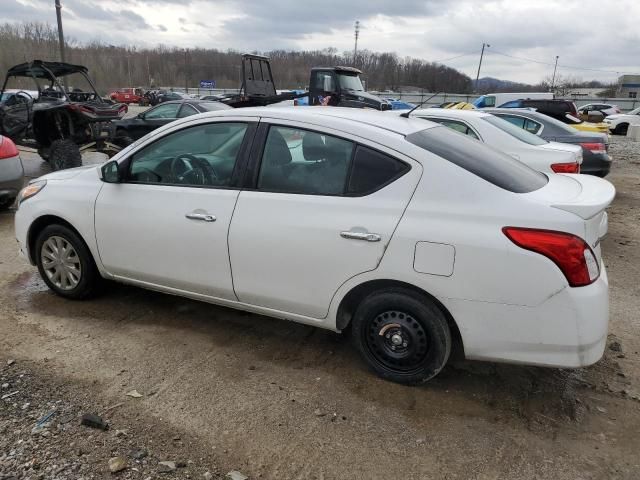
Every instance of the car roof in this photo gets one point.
(42, 69)
(450, 113)
(354, 119)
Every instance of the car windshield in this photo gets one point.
(635, 111)
(350, 82)
(514, 131)
(480, 159)
(212, 106)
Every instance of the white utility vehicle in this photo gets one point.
(408, 234)
(499, 99)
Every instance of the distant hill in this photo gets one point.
(490, 84)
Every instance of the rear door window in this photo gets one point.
(487, 163)
(372, 171)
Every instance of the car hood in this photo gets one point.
(66, 174)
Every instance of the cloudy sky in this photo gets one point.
(598, 38)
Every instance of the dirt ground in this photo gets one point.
(224, 390)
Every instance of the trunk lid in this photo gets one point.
(583, 195)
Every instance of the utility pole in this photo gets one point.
(480, 64)
(186, 77)
(553, 79)
(129, 68)
(356, 35)
(60, 34)
(148, 72)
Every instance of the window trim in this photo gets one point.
(538, 133)
(239, 168)
(184, 106)
(469, 126)
(157, 107)
(252, 173)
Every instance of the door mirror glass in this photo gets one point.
(110, 172)
(328, 84)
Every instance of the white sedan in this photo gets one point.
(412, 236)
(619, 123)
(496, 132)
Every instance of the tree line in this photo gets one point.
(112, 66)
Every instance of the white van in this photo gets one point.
(499, 99)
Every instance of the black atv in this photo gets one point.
(65, 117)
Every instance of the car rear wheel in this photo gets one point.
(65, 263)
(122, 139)
(403, 336)
(64, 154)
(622, 129)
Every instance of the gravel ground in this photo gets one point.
(223, 390)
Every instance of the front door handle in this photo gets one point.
(369, 237)
(205, 217)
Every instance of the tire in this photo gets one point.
(122, 139)
(87, 278)
(64, 154)
(622, 129)
(403, 336)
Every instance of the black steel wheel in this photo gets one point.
(402, 335)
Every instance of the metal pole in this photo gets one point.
(480, 64)
(129, 69)
(355, 47)
(60, 33)
(553, 80)
(186, 78)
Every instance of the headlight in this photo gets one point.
(30, 190)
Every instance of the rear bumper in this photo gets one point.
(568, 330)
(595, 164)
(11, 179)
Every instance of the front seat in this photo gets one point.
(274, 174)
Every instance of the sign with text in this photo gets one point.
(207, 84)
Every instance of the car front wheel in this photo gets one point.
(65, 262)
(403, 336)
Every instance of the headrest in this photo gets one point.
(276, 151)
(324, 147)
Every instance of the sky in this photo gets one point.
(594, 39)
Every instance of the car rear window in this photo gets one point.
(487, 163)
(514, 131)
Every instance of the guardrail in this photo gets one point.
(625, 104)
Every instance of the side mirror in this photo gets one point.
(141, 115)
(110, 172)
(327, 84)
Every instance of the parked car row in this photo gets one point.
(414, 238)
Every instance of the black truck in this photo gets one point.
(334, 86)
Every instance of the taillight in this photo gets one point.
(572, 167)
(595, 147)
(570, 253)
(7, 148)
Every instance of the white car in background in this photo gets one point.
(539, 154)
(619, 123)
(604, 108)
(414, 236)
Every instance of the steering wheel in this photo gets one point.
(25, 94)
(186, 168)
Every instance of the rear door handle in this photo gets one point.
(368, 237)
(205, 217)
